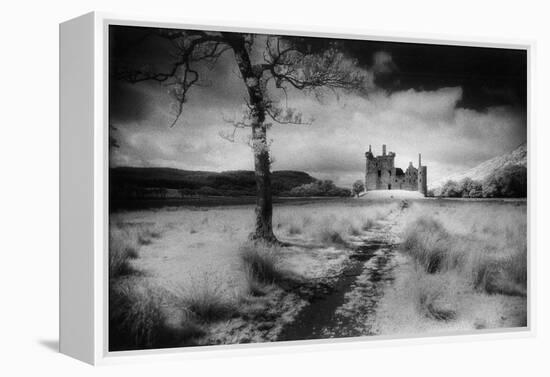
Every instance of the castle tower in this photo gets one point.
(422, 177)
(369, 167)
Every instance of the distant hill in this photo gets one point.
(131, 181)
(518, 157)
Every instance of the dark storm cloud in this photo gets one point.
(138, 48)
(459, 106)
(488, 76)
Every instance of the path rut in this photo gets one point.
(345, 307)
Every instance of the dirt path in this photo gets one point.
(344, 307)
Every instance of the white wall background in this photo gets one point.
(29, 183)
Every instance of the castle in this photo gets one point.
(381, 174)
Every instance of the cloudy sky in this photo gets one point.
(458, 106)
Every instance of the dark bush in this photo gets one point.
(509, 182)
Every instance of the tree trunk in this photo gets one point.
(252, 78)
(264, 203)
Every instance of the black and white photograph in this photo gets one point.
(280, 188)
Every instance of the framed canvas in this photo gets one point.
(229, 189)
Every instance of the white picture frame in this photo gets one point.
(84, 184)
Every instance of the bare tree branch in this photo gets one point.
(286, 115)
(242, 123)
(188, 47)
(310, 71)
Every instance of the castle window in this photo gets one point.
(379, 173)
(389, 171)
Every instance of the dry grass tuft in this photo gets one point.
(436, 296)
(137, 319)
(146, 235)
(260, 263)
(121, 252)
(329, 234)
(431, 303)
(497, 273)
(368, 224)
(492, 262)
(205, 298)
(125, 239)
(427, 242)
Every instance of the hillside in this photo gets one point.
(126, 181)
(481, 172)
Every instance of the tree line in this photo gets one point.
(508, 182)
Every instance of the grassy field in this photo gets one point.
(462, 265)
(191, 271)
(188, 276)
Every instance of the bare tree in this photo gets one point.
(284, 65)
